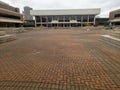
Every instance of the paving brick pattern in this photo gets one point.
(59, 60)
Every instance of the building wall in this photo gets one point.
(64, 20)
(7, 13)
(8, 7)
(115, 17)
(113, 14)
(65, 17)
(9, 16)
(94, 11)
(102, 21)
(27, 15)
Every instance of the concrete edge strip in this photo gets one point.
(110, 43)
(111, 37)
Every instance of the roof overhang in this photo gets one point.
(66, 12)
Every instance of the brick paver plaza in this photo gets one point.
(59, 60)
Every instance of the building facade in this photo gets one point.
(27, 16)
(114, 17)
(102, 21)
(64, 18)
(28, 19)
(10, 16)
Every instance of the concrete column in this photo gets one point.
(52, 20)
(63, 21)
(88, 19)
(94, 20)
(46, 21)
(81, 21)
(35, 23)
(70, 22)
(41, 20)
(57, 20)
(76, 20)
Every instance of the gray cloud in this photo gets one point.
(105, 5)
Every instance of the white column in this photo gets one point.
(57, 20)
(52, 18)
(63, 21)
(41, 20)
(70, 20)
(35, 23)
(76, 20)
(88, 19)
(46, 21)
(81, 21)
(94, 20)
(51, 22)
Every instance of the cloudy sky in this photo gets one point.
(105, 5)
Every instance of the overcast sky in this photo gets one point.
(105, 5)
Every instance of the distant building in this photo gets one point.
(114, 17)
(10, 16)
(102, 21)
(27, 16)
(65, 18)
(28, 19)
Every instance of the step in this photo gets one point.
(116, 34)
(111, 39)
(2, 33)
(7, 38)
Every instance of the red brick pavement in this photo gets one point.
(59, 60)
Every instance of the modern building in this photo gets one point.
(101, 21)
(28, 19)
(10, 16)
(27, 16)
(114, 17)
(65, 18)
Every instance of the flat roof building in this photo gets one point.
(65, 17)
(114, 17)
(9, 16)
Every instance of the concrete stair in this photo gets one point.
(111, 40)
(2, 33)
(116, 34)
(5, 37)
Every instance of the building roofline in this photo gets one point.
(1, 2)
(11, 12)
(93, 11)
(115, 10)
(68, 9)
